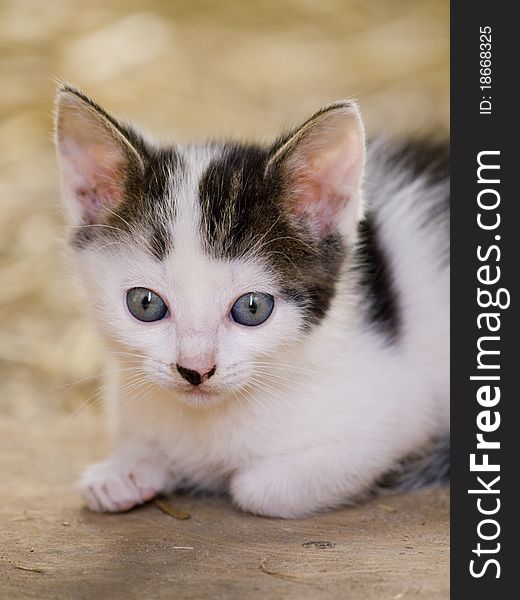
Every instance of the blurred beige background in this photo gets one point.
(182, 70)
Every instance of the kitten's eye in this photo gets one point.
(145, 305)
(252, 309)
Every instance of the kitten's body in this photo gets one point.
(348, 377)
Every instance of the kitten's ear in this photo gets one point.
(95, 155)
(321, 165)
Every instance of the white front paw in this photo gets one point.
(266, 491)
(116, 486)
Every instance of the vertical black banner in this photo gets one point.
(485, 237)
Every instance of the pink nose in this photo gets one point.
(195, 377)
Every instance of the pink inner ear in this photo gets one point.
(95, 177)
(96, 200)
(323, 185)
(317, 199)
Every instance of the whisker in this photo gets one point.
(261, 385)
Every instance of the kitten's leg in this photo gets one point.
(301, 484)
(136, 471)
(131, 476)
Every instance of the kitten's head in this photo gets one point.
(208, 264)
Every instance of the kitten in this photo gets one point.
(277, 318)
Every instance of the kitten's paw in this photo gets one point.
(114, 486)
(265, 491)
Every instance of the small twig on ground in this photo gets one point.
(173, 511)
(31, 569)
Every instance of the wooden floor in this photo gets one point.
(52, 548)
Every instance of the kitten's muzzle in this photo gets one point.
(194, 377)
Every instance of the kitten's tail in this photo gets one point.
(428, 469)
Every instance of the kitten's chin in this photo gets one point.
(200, 397)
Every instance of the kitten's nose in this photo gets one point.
(194, 377)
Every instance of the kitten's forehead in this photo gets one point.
(182, 196)
(187, 262)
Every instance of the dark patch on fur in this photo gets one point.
(244, 210)
(430, 160)
(145, 192)
(427, 469)
(148, 197)
(416, 158)
(423, 157)
(376, 281)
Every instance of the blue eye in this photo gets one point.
(252, 309)
(145, 305)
